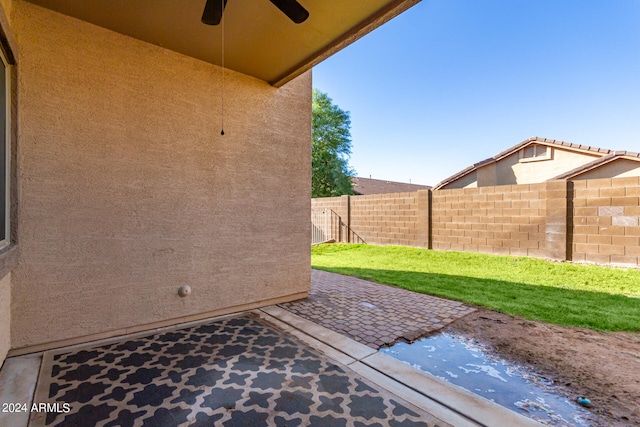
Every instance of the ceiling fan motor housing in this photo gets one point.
(213, 9)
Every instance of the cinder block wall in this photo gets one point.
(508, 219)
(333, 203)
(606, 225)
(386, 218)
(590, 221)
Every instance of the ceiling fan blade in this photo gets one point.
(292, 9)
(213, 11)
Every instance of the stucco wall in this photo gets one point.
(486, 176)
(5, 316)
(511, 171)
(127, 189)
(6, 7)
(470, 180)
(622, 168)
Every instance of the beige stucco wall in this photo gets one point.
(487, 175)
(5, 316)
(511, 171)
(127, 190)
(622, 168)
(6, 7)
(470, 180)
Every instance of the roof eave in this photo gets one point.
(363, 28)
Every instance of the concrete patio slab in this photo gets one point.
(18, 382)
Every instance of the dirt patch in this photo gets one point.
(604, 367)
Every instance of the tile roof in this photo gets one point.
(554, 142)
(520, 145)
(365, 186)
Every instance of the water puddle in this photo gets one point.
(464, 363)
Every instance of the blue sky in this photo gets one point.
(451, 82)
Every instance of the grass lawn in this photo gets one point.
(567, 294)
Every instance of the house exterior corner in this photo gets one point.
(127, 190)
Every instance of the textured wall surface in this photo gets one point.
(507, 219)
(386, 218)
(512, 171)
(621, 168)
(470, 180)
(127, 189)
(6, 7)
(595, 221)
(333, 203)
(5, 316)
(606, 221)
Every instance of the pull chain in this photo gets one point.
(222, 116)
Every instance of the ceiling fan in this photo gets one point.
(213, 11)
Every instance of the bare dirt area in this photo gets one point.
(602, 366)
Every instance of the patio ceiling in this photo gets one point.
(260, 41)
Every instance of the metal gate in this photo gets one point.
(321, 230)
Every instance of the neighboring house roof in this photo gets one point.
(616, 155)
(365, 186)
(532, 140)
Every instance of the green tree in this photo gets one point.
(331, 148)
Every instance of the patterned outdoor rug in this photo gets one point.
(237, 371)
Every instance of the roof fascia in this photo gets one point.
(384, 15)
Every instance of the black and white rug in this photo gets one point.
(237, 371)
